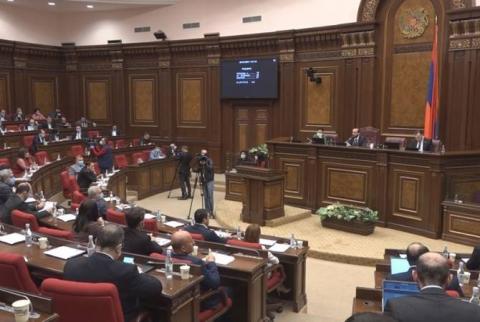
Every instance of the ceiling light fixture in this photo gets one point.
(90, 6)
(10, 0)
(51, 3)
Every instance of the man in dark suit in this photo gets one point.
(137, 241)
(7, 182)
(79, 134)
(474, 261)
(414, 251)
(50, 124)
(420, 143)
(432, 303)
(134, 289)
(184, 158)
(356, 139)
(95, 193)
(86, 177)
(182, 245)
(201, 227)
(17, 202)
(38, 141)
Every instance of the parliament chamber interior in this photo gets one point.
(239, 161)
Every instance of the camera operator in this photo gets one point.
(184, 158)
(207, 176)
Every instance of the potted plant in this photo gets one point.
(348, 218)
(260, 153)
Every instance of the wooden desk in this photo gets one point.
(41, 304)
(367, 300)
(180, 295)
(461, 222)
(47, 178)
(406, 187)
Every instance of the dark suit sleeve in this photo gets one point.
(143, 285)
(474, 261)
(153, 247)
(212, 237)
(455, 286)
(211, 277)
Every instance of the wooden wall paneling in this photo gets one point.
(286, 125)
(97, 94)
(473, 130)
(5, 101)
(191, 100)
(365, 98)
(214, 113)
(44, 93)
(143, 100)
(350, 115)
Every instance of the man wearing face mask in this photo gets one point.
(17, 202)
(75, 168)
(38, 141)
(104, 155)
(7, 182)
(134, 289)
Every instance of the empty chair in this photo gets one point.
(242, 243)
(28, 141)
(5, 161)
(197, 236)
(20, 218)
(75, 301)
(121, 161)
(76, 149)
(117, 217)
(77, 199)
(73, 185)
(14, 273)
(65, 179)
(145, 155)
(41, 157)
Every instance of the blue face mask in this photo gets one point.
(80, 163)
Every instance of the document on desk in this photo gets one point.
(149, 216)
(48, 206)
(267, 242)
(162, 241)
(67, 217)
(222, 259)
(64, 252)
(279, 248)
(12, 239)
(223, 234)
(174, 224)
(30, 199)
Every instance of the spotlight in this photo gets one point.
(160, 35)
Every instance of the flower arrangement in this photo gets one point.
(347, 213)
(261, 151)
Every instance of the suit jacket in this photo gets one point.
(208, 234)
(37, 142)
(474, 261)
(132, 287)
(412, 145)
(83, 134)
(407, 277)
(53, 124)
(16, 203)
(85, 178)
(432, 304)
(211, 278)
(104, 157)
(139, 242)
(102, 207)
(360, 141)
(5, 192)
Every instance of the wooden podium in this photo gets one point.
(263, 194)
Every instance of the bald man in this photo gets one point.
(182, 244)
(356, 139)
(432, 303)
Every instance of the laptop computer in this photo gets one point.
(398, 265)
(394, 289)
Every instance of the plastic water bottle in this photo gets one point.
(90, 246)
(76, 212)
(239, 233)
(42, 196)
(461, 273)
(445, 252)
(293, 242)
(169, 264)
(475, 296)
(111, 196)
(28, 236)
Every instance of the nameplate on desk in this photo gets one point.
(174, 224)
(12, 239)
(64, 252)
(267, 242)
(279, 248)
(67, 217)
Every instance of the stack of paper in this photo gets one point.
(162, 241)
(64, 252)
(174, 224)
(222, 259)
(149, 216)
(12, 239)
(279, 248)
(67, 217)
(267, 242)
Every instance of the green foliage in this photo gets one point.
(260, 150)
(347, 213)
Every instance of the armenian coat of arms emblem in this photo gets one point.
(413, 23)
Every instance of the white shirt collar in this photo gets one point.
(431, 286)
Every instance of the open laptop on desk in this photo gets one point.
(399, 265)
(393, 289)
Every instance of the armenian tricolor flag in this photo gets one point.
(431, 109)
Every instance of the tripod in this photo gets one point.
(173, 180)
(197, 176)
